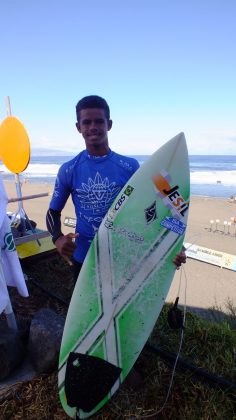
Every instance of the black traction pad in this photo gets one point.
(88, 380)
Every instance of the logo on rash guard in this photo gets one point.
(98, 194)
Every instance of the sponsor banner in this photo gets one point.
(174, 225)
(211, 256)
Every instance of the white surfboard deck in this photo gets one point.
(129, 268)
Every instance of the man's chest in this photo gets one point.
(95, 190)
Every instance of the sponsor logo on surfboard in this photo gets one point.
(171, 196)
(131, 236)
(151, 213)
(123, 197)
(174, 225)
(128, 190)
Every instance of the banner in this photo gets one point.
(211, 256)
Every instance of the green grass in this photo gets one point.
(206, 344)
(209, 345)
(229, 312)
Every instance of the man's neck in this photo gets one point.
(96, 151)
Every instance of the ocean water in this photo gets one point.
(213, 176)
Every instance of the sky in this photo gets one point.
(164, 66)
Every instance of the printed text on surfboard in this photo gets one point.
(171, 196)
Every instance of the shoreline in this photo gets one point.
(51, 185)
(207, 285)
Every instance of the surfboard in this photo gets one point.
(124, 281)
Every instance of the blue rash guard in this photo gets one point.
(93, 182)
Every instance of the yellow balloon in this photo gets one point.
(14, 145)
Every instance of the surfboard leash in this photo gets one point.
(182, 326)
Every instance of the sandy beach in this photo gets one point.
(207, 285)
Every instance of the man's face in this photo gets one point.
(93, 126)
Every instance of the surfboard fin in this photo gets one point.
(88, 380)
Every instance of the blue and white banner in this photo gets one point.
(211, 256)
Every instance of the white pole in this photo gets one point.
(17, 181)
(211, 225)
(8, 106)
(11, 319)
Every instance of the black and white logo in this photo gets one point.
(151, 213)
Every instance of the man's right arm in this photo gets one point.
(53, 221)
(64, 243)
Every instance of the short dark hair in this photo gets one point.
(92, 101)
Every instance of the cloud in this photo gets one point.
(213, 142)
(232, 138)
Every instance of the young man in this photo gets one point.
(93, 178)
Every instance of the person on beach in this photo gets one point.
(93, 178)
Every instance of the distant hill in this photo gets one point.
(36, 151)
